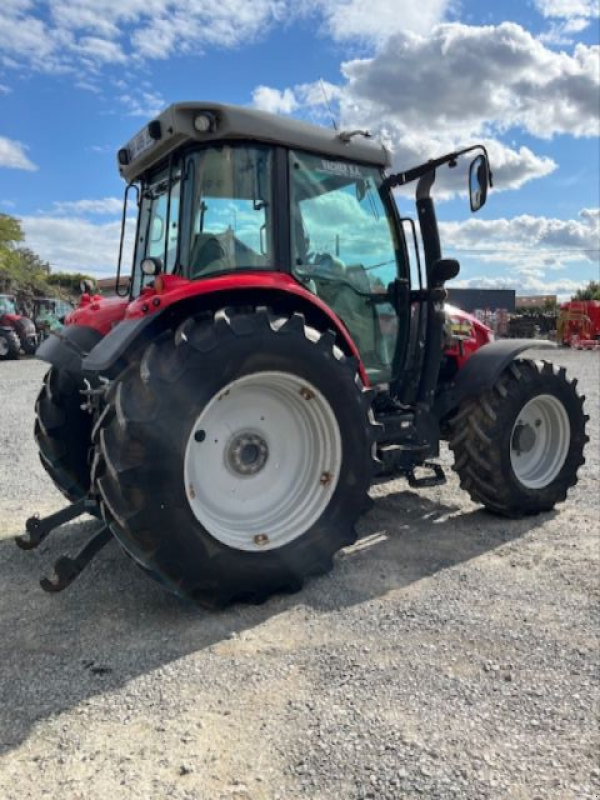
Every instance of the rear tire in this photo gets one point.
(9, 345)
(223, 389)
(63, 433)
(518, 446)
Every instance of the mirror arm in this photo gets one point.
(402, 178)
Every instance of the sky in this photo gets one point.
(79, 77)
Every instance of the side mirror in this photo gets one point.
(443, 270)
(151, 266)
(478, 182)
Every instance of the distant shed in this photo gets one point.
(483, 299)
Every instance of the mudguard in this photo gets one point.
(107, 357)
(482, 370)
(68, 347)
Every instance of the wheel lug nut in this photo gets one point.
(261, 539)
(326, 478)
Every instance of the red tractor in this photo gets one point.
(579, 323)
(275, 352)
(17, 332)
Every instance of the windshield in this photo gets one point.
(7, 305)
(213, 215)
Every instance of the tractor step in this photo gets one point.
(67, 569)
(39, 528)
(437, 478)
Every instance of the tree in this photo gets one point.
(21, 270)
(31, 262)
(10, 232)
(589, 292)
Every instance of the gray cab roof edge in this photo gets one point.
(239, 122)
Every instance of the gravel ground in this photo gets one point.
(450, 654)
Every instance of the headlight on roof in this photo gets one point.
(205, 122)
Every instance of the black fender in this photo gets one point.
(482, 370)
(110, 356)
(67, 348)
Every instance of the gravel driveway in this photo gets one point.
(450, 654)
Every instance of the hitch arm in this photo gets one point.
(66, 569)
(38, 529)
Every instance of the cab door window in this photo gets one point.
(344, 250)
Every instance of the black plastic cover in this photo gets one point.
(68, 347)
(116, 344)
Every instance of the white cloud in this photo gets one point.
(377, 20)
(66, 35)
(143, 103)
(104, 206)
(530, 245)
(267, 99)
(469, 79)
(568, 18)
(567, 9)
(5, 89)
(13, 155)
(78, 245)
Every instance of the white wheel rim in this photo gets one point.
(539, 441)
(3, 346)
(262, 461)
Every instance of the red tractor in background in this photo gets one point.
(276, 351)
(17, 332)
(579, 323)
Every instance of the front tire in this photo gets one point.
(234, 460)
(518, 446)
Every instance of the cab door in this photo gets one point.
(345, 249)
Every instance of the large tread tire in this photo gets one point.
(481, 440)
(12, 349)
(141, 440)
(63, 433)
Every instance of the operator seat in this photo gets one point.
(209, 253)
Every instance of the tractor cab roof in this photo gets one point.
(184, 123)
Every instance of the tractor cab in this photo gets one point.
(221, 193)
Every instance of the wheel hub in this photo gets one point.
(3, 346)
(247, 453)
(523, 438)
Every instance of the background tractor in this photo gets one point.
(277, 350)
(23, 329)
(49, 314)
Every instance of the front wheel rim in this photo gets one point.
(262, 461)
(3, 346)
(539, 441)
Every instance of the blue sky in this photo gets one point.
(79, 77)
